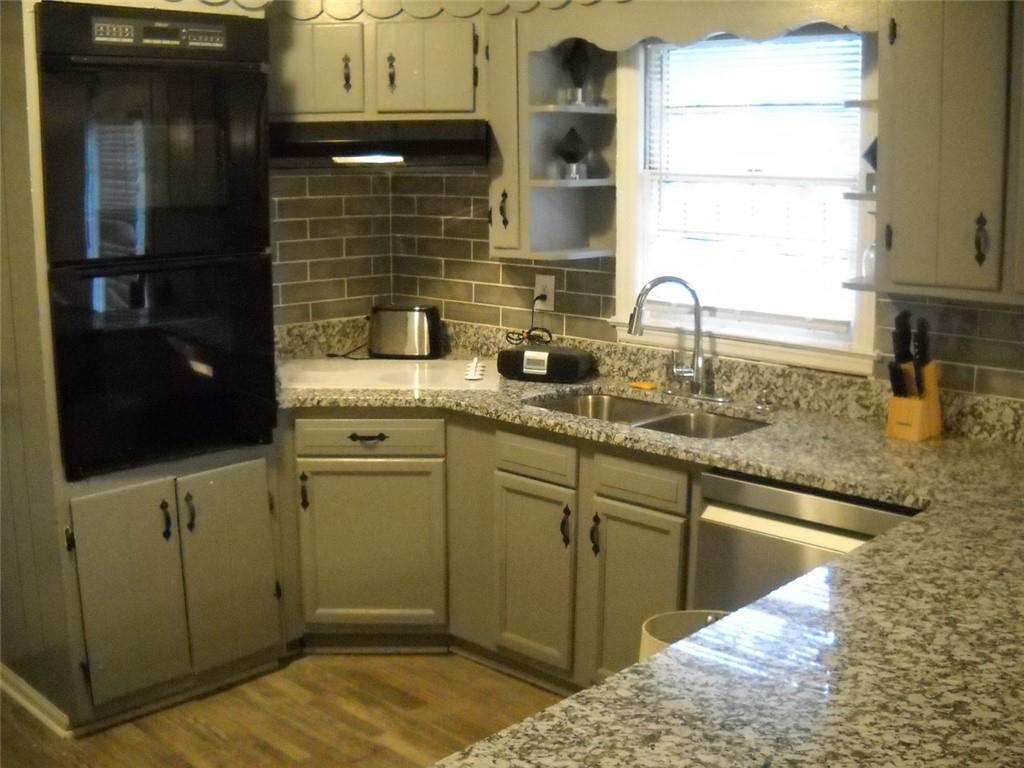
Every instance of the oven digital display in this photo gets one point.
(161, 35)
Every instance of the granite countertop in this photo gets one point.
(909, 651)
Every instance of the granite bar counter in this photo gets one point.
(907, 652)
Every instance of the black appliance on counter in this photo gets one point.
(155, 168)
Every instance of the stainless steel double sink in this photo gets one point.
(657, 416)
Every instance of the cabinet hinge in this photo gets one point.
(86, 672)
(270, 502)
(892, 31)
(888, 237)
(476, 77)
(277, 589)
(69, 538)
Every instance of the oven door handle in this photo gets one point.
(56, 62)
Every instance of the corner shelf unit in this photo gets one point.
(567, 219)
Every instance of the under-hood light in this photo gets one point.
(369, 160)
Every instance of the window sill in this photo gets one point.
(835, 360)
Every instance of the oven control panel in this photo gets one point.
(121, 31)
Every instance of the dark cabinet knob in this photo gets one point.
(503, 209)
(346, 70)
(595, 535)
(563, 526)
(392, 73)
(191, 524)
(303, 493)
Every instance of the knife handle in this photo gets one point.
(909, 379)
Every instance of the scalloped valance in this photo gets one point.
(347, 10)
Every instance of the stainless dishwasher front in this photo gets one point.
(753, 538)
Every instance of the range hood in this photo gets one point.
(387, 143)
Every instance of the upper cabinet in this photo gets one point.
(322, 68)
(1015, 222)
(942, 139)
(426, 66)
(317, 68)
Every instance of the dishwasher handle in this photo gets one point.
(766, 525)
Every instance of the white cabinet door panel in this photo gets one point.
(448, 66)
(228, 554)
(338, 67)
(399, 67)
(129, 579)
(973, 160)
(291, 89)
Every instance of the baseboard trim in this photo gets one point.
(509, 667)
(37, 705)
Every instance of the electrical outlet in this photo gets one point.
(544, 284)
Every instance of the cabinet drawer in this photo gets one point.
(539, 459)
(369, 437)
(644, 484)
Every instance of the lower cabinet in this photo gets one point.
(176, 577)
(631, 567)
(535, 563)
(632, 559)
(372, 521)
(373, 541)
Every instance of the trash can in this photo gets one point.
(663, 629)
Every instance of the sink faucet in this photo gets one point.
(696, 372)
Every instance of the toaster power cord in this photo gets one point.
(534, 334)
(350, 353)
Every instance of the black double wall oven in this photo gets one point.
(155, 166)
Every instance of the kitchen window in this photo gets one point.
(742, 152)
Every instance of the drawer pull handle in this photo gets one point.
(346, 60)
(303, 493)
(595, 535)
(563, 526)
(165, 508)
(191, 525)
(380, 437)
(981, 241)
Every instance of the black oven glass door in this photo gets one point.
(147, 159)
(162, 361)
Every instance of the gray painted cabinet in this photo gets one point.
(425, 66)
(227, 555)
(317, 68)
(372, 525)
(373, 541)
(129, 580)
(942, 134)
(176, 577)
(535, 562)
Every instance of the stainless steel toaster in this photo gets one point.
(405, 331)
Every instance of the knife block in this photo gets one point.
(917, 418)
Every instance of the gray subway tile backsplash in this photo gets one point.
(343, 239)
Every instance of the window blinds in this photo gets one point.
(749, 147)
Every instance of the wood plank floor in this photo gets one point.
(337, 710)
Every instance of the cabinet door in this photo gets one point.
(449, 79)
(943, 101)
(1016, 219)
(338, 67)
(129, 580)
(535, 558)
(399, 67)
(228, 555)
(291, 88)
(503, 116)
(373, 541)
(635, 556)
